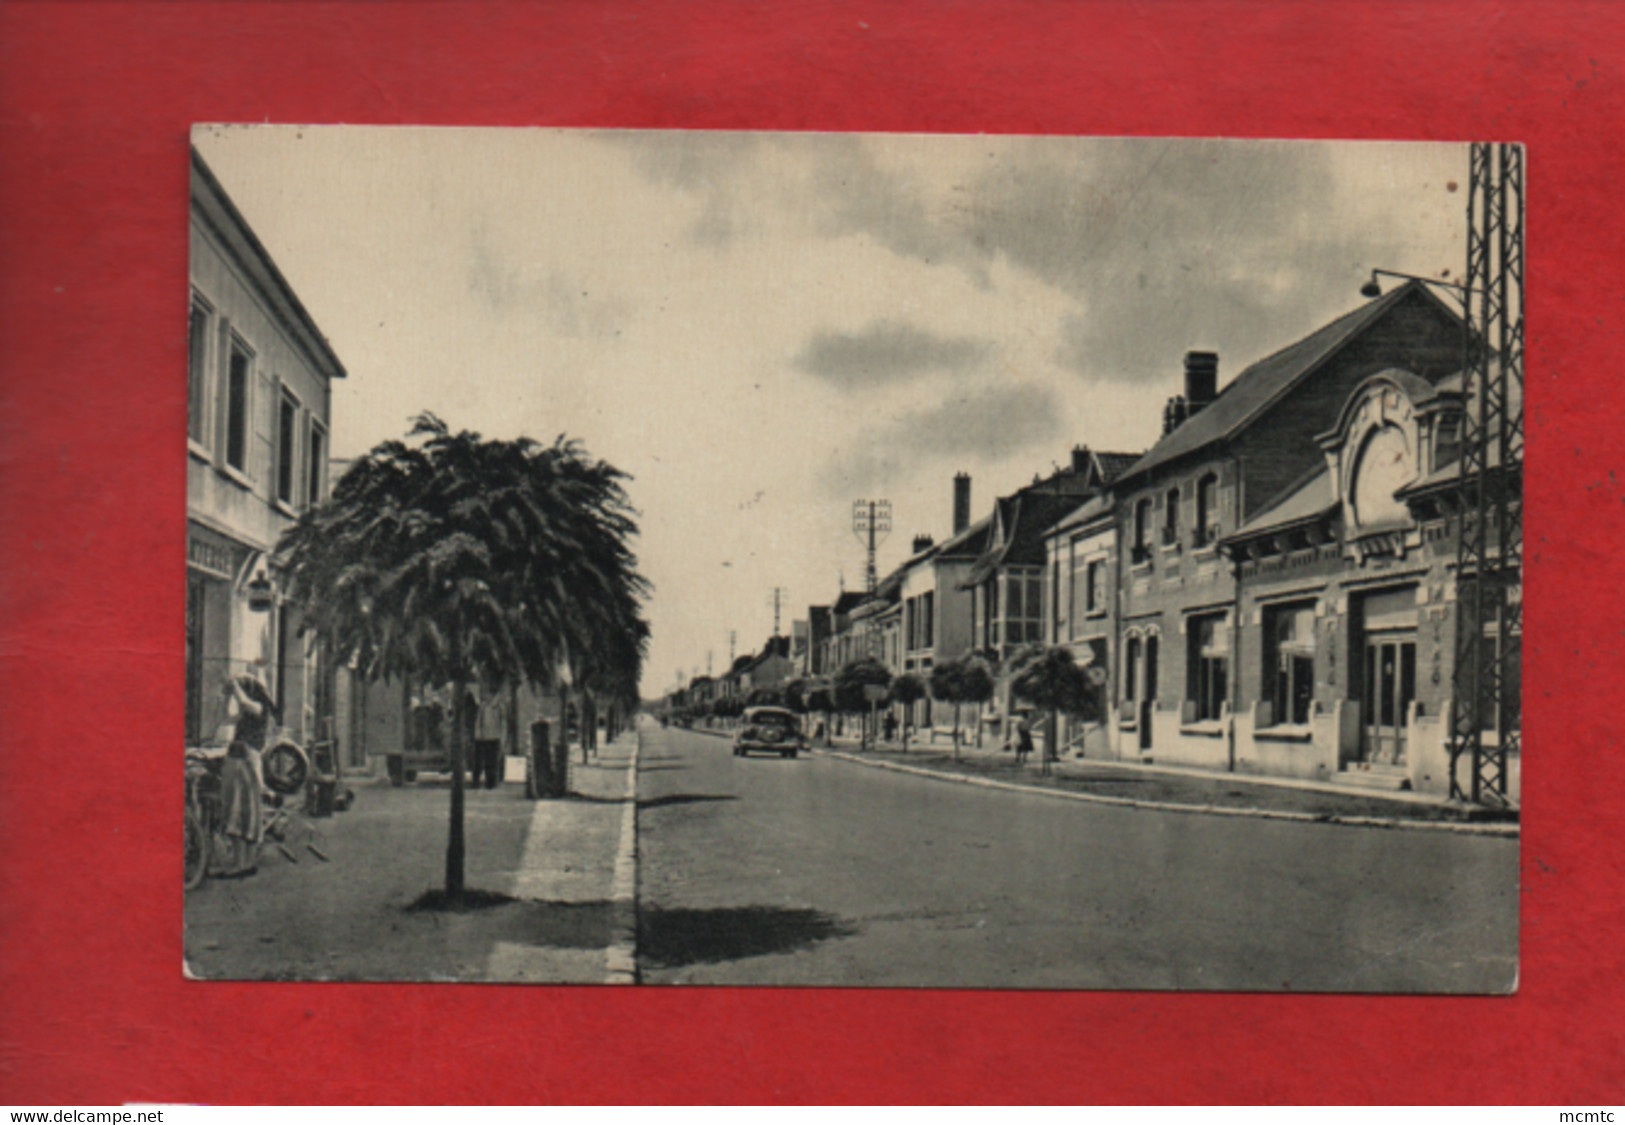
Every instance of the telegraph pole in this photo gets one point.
(871, 521)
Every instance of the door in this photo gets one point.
(1390, 685)
(1148, 692)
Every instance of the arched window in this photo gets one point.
(1207, 509)
(1170, 518)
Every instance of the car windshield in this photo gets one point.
(767, 715)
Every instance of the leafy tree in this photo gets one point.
(907, 690)
(850, 696)
(1049, 678)
(450, 559)
(966, 680)
(795, 695)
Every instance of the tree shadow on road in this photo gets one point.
(683, 799)
(670, 938)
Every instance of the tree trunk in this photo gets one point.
(454, 842)
(956, 732)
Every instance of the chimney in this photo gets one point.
(961, 502)
(921, 543)
(1201, 379)
(1080, 458)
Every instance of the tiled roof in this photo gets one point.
(968, 543)
(1312, 495)
(1250, 393)
(1087, 512)
(1114, 465)
(1025, 518)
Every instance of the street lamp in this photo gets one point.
(1373, 288)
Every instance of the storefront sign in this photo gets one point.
(221, 559)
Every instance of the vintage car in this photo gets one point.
(769, 728)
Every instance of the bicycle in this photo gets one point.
(208, 848)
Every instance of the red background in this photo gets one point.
(96, 104)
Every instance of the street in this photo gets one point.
(822, 872)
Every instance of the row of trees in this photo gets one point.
(450, 559)
(1044, 677)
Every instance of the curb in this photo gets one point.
(1464, 829)
(621, 958)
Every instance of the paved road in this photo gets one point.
(822, 872)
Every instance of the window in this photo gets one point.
(1131, 664)
(237, 410)
(1209, 664)
(1078, 599)
(316, 464)
(1207, 511)
(1142, 529)
(1097, 586)
(287, 418)
(1290, 661)
(1057, 605)
(1503, 640)
(1170, 518)
(1447, 441)
(197, 374)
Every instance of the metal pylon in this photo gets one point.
(1489, 560)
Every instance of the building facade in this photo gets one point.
(258, 420)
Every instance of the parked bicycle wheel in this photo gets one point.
(196, 853)
(286, 768)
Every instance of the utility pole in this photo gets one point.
(733, 639)
(774, 599)
(1489, 559)
(871, 521)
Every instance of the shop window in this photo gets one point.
(1290, 661)
(287, 419)
(237, 409)
(197, 364)
(1207, 512)
(1208, 664)
(1502, 632)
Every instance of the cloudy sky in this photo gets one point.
(762, 328)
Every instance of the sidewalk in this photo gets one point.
(556, 876)
(1177, 789)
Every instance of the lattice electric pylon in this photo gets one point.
(1485, 722)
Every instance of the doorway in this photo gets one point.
(1390, 686)
(1148, 692)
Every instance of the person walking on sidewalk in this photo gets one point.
(490, 725)
(1024, 740)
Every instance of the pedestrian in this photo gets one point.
(489, 727)
(891, 726)
(240, 789)
(1024, 740)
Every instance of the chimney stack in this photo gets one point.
(921, 543)
(1080, 458)
(961, 502)
(1201, 380)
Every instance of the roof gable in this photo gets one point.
(1246, 397)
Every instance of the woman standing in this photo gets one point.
(240, 775)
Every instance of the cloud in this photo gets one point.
(886, 351)
(987, 425)
(567, 306)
